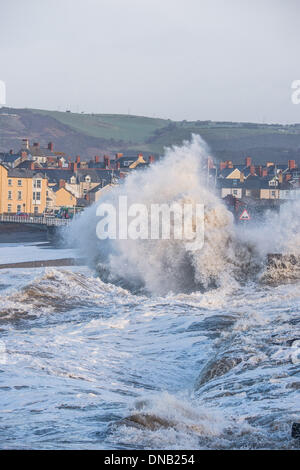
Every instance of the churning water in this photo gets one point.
(154, 346)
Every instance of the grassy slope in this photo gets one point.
(154, 134)
(91, 134)
(109, 126)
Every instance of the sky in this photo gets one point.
(223, 60)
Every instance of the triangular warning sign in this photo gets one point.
(244, 215)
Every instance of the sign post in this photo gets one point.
(245, 215)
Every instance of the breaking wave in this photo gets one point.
(231, 255)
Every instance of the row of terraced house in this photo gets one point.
(268, 182)
(40, 180)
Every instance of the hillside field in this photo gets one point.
(91, 134)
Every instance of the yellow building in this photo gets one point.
(64, 198)
(270, 193)
(97, 192)
(22, 190)
(235, 174)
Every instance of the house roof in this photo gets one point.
(40, 151)
(82, 202)
(92, 164)
(56, 174)
(97, 175)
(96, 188)
(226, 172)
(9, 157)
(24, 173)
(230, 183)
(253, 182)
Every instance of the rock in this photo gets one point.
(296, 430)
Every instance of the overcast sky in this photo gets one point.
(179, 59)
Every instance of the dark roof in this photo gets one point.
(92, 164)
(41, 152)
(225, 172)
(24, 173)
(27, 164)
(9, 157)
(82, 202)
(96, 188)
(229, 183)
(56, 174)
(97, 175)
(286, 185)
(253, 182)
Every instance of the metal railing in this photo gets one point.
(33, 220)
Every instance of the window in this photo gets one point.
(36, 210)
(235, 192)
(73, 180)
(273, 193)
(9, 182)
(88, 179)
(18, 208)
(37, 184)
(38, 196)
(19, 195)
(9, 208)
(9, 195)
(19, 182)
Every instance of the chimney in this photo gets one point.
(118, 165)
(74, 167)
(280, 177)
(292, 164)
(23, 156)
(10, 152)
(229, 164)
(97, 159)
(288, 177)
(62, 183)
(242, 177)
(259, 170)
(78, 159)
(151, 159)
(140, 155)
(59, 163)
(36, 145)
(119, 155)
(106, 161)
(25, 144)
(264, 172)
(222, 166)
(252, 170)
(51, 146)
(248, 161)
(31, 166)
(270, 164)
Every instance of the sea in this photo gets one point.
(150, 345)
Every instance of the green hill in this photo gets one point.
(109, 126)
(91, 134)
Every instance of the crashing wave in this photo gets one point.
(230, 254)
